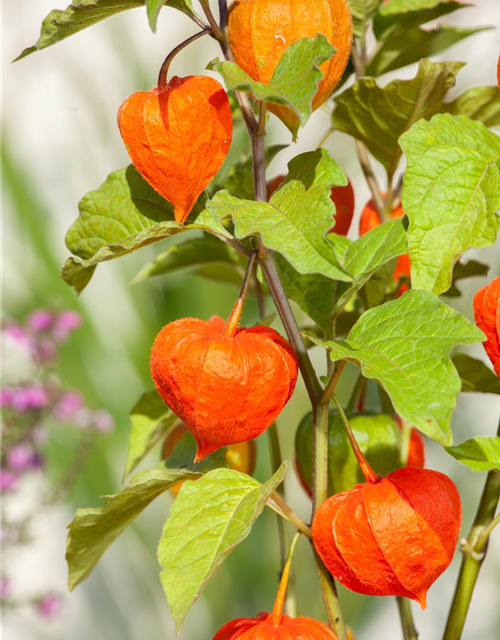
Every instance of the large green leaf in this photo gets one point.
(476, 376)
(80, 14)
(124, 214)
(93, 530)
(400, 15)
(151, 421)
(451, 195)
(207, 520)
(478, 103)
(362, 12)
(297, 218)
(413, 44)
(405, 345)
(377, 116)
(294, 81)
(479, 454)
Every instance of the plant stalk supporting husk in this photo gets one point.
(162, 75)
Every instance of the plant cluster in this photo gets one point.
(381, 524)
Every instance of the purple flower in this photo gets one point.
(8, 480)
(50, 606)
(26, 398)
(103, 421)
(68, 406)
(16, 332)
(22, 457)
(46, 350)
(41, 320)
(5, 397)
(4, 587)
(66, 322)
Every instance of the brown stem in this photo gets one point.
(216, 30)
(332, 383)
(162, 76)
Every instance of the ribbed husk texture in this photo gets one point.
(487, 317)
(260, 31)
(261, 628)
(178, 137)
(226, 389)
(392, 538)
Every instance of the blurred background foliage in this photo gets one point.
(60, 141)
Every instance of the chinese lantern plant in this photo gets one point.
(369, 289)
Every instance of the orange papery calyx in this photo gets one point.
(276, 625)
(260, 31)
(393, 537)
(178, 135)
(342, 198)
(226, 383)
(487, 317)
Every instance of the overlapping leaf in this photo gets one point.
(405, 345)
(463, 271)
(451, 195)
(411, 45)
(476, 376)
(80, 14)
(93, 530)
(151, 421)
(479, 454)
(377, 116)
(296, 219)
(398, 16)
(294, 81)
(478, 103)
(208, 519)
(362, 12)
(124, 214)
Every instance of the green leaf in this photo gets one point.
(377, 116)
(93, 530)
(400, 15)
(451, 195)
(362, 12)
(294, 81)
(368, 254)
(477, 103)
(194, 252)
(153, 8)
(184, 453)
(151, 421)
(207, 520)
(479, 454)
(124, 214)
(464, 270)
(378, 437)
(314, 293)
(476, 376)
(296, 219)
(413, 44)
(405, 345)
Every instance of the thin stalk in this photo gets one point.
(332, 382)
(356, 394)
(276, 460)
(474, 552)
(162, 76)
(407, 623)
(365, 467)
(370, 178)
(277, 613)
(223, 14)
(234, 318)
(288, 513)
(320, 467)
(216, 30)
(330, 599)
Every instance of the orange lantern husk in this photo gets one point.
(227, 384)
(178, 137)
(260, 31)
(487, 316)
(369, 219)
(276, 625)
(342, 198)
(394, 536)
